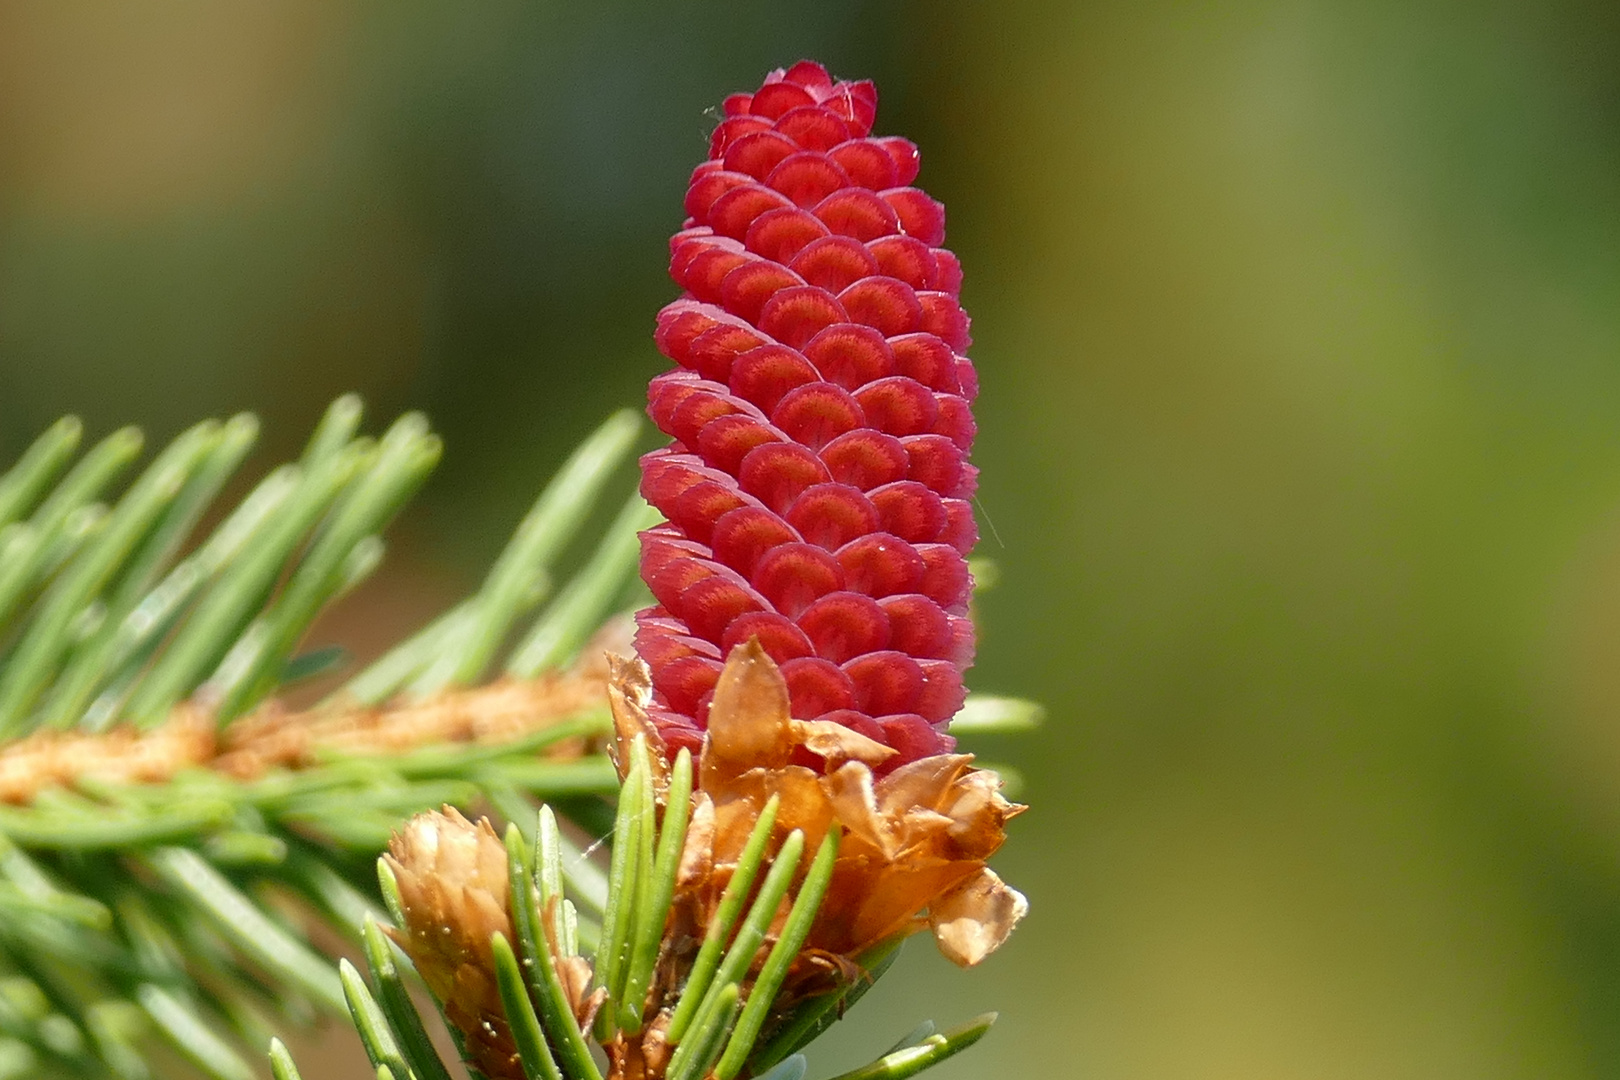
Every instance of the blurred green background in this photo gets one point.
(1299, 327)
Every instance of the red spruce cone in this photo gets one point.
(817, 489)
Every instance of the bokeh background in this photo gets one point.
(1299, 327)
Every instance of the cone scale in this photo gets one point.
(817, 492)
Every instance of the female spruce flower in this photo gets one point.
(818, 487)
(812, 584)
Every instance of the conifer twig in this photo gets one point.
(152, 799)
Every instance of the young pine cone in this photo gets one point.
(817, 491)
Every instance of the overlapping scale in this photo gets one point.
(817, 489)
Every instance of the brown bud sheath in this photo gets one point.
(453, 887)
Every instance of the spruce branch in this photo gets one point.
(158, 807)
